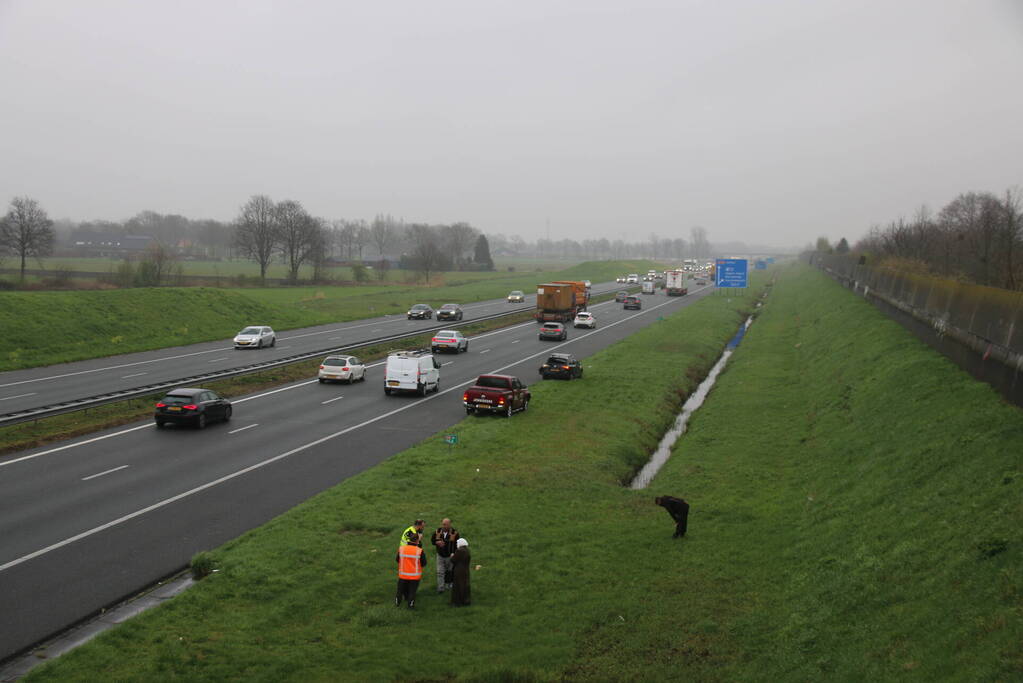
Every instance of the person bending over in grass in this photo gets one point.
(461, 595)
(679, 511)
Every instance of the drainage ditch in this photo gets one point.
(692, 404)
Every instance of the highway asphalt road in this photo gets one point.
(52, 384)
(88, 522)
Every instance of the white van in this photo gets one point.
(416, 371)
(648, 287)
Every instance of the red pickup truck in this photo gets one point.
(496, 394)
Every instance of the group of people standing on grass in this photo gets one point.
(452, 563)
(453, 556)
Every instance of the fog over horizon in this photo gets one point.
(769, 123)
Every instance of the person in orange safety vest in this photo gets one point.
(411, 560)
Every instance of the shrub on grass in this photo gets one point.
(202, 565)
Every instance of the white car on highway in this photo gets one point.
(633, 279)
(584, 319)
(449, 340)
(255, 337)
(341, 369)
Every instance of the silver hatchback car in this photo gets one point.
(255, 337)
(341, 369)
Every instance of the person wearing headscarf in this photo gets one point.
(461, 595)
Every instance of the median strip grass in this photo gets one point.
(563, 547)
(46, 328)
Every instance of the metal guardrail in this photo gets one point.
(75, 405)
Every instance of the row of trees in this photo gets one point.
(266, 229)
(269, 232)
(977, 237)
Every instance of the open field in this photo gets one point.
(249, 269)
(44, 328)
(321, 605)
(832, 537)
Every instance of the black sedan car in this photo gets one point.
(420, 312)
(450, 312)
(553, 331)
(620, 296)
(632, 301)
(196, 407)
(561, 366)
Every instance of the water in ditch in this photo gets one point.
(692, 404)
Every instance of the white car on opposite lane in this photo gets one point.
(255, 337)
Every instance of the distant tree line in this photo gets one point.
(270, 232)
(977, 237)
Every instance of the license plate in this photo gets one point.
(332, 376)
(393, 382)
(483, 400)
(174, 409)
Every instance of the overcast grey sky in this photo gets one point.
(769, 121)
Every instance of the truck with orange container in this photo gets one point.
(560, 301)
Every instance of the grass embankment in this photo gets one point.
(564, 548)
(44, 328)
(858, 505)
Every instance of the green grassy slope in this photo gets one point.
(43, 328)
(861, 497)
(308, 596)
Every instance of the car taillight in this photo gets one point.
(465, 396)
(564, 367)
(190, 406)
(500, 400)
(322, 367)
(161, 405)
(345, 369)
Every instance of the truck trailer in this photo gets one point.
(560, 301)
(675, 283)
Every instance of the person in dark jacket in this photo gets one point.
(679, 511)
(461, 595)
(444, 539)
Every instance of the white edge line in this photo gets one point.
(93, 476)
(242, 429)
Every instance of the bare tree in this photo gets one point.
(382, 233)
(361, 237)
(345, 232)
(26, 230)
(158, 262)
(257, 233)
(300, 235)
(1011, 233)
(698, 242)
(460, 238)
(427, 255)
